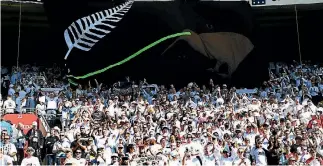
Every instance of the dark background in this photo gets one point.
(273, 32)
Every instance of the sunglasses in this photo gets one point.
(78, 152)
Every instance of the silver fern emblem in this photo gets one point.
(86, 31)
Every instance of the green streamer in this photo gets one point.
(72, 82)
(132, 56)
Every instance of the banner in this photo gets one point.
(26, 120)
(247, 91)
(151, 86)
(50, 89)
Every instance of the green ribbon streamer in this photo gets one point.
(132, 56)
(72, 82)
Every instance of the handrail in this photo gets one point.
(44, 122)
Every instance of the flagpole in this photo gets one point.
(19, 31)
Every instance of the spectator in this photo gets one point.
(279, 123)
(30, 159)
(21, 139)
(5, 159)
(35, 139)
(9, 149)
(9, 105)
(49, 144)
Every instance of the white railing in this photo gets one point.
(44, 122)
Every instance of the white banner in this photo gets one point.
(51, 89)
(246, 91)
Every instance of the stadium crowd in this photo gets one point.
(279, 123)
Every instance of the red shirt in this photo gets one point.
(310, 123)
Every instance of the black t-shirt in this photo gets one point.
(83, 135)
(74, 145)
(49, 143)
(272, 158)
(293, 148)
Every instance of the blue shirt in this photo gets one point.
(14, 78)
(22, 94)
(170, 97)
(11, 92)
(68, 94)
(31, 103)
(147, 96)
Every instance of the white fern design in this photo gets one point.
(88, 30)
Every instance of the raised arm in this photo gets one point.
(90, 84)
(98, 86)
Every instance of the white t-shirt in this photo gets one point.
(72, 161)
(226, 161)
(9, 106)
(6, 160)
(193, 162)
(9, 149)
(259, 156)
(41, 108)
(52, 103)
(59, 144)
(244, 162)
(100, 141)
(81, 162)
(175, 162)
(32, 161)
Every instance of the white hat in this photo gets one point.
(34, 123)
(56, 128)
(114, 155)
(10, 86)
(31, 149)
(125, 105)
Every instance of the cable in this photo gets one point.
(298, 40)
(18, 52)
(299, 46)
